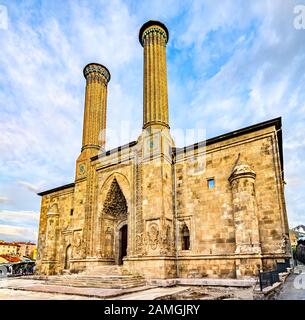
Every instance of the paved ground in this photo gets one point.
(29, 289)
(9, 294)
(152, 294)
(294, 287)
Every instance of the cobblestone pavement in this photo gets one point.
(294, 287)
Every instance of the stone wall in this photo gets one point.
(235, 228)
(209, 213)
(55, 218)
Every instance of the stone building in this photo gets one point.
(212, 209)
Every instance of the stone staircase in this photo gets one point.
(108, 277)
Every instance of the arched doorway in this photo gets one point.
(115, 214)
(122, 243)
(68, 257)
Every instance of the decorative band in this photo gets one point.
(97, 69)
(153, 29)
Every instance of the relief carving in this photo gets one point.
(77, 244)
(140, 243)
(115, 203)
(153, 236)
(166, 241)
(109, 242)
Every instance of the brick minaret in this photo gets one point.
(153, 37)
(155, 228)
(94, 127)
(97, 77)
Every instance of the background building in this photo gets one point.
(27, 249)
(9, 248)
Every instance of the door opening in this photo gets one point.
(123, 243)
(68, 257)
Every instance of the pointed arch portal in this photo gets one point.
(115, 206)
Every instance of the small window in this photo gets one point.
(185, 238)
(211, 183)
(71, 212)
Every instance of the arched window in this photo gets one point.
(185, 237)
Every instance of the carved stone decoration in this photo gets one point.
(153, 236)
(166, 241)
(77, 244)
(115, 203)
(139, 216)
(95, 71)
(109, 242)
(140, 243)
(155, 30)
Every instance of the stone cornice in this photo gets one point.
(66, 186)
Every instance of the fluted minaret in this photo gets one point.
(97, 77)
(153, 37)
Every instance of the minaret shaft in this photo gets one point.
(94, 127)
(153, 37)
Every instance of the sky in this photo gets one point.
(230, 64)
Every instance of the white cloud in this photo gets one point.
(18, 225)
(15, 233)
(262, 79)
(4, 199)
(30, 186)
(19, 217)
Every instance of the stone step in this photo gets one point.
(94, 280)
(106, 285)
(97, 281)
(106, 270)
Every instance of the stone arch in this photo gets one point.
(114, 205)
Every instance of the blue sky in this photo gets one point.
(230, 64)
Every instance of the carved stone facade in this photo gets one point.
(214, 209)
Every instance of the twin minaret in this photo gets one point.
(94, 128)
(153, 36)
